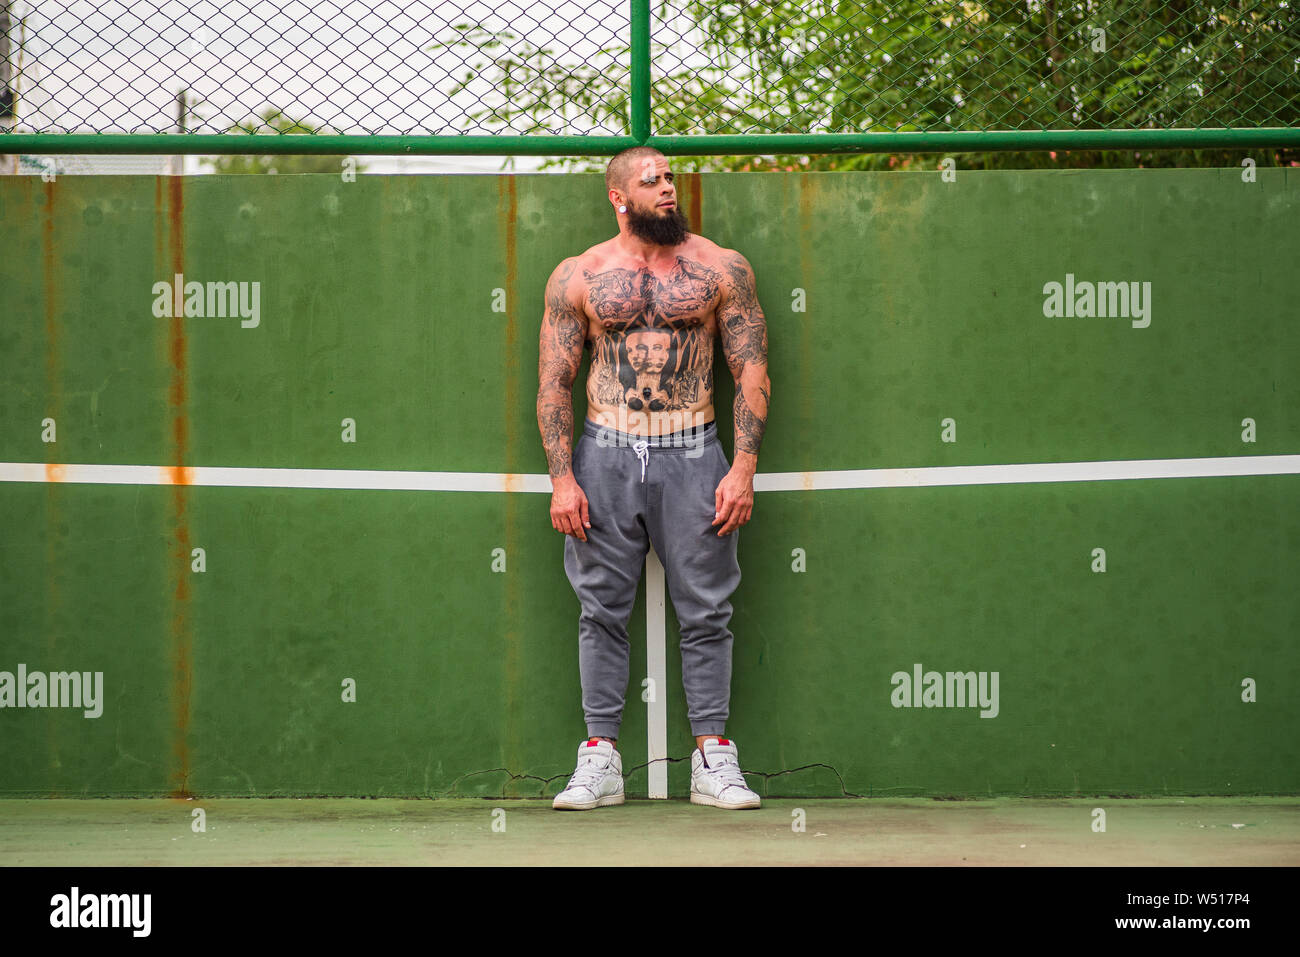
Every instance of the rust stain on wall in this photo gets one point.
(50, 263)
(53, 341)
(159, 233)
(692, 185)
(54, 409)
(508, 224)
(806, 185)
(509, 212)
(180, 627)
(177, 475)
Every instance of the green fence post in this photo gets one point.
(639, 13)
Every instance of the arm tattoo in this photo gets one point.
(749, 426)
(564, 329)
(744, 341)
(744, 332)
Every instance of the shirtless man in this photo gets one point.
(648, 468)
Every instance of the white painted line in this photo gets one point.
(657, 671)
(276, 478)
(1029, 472)
(393, 480)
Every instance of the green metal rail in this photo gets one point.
(947, 142)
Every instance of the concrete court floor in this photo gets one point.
(325, 831)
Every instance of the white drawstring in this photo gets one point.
(642, 450)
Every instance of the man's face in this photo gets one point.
(652, 211)
(648, 351)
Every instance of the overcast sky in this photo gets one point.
(344, 65)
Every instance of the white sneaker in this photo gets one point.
(719, 782)
(598, 781)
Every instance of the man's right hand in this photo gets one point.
(569, 507)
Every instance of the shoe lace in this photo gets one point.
(587, 775)
(728, 774)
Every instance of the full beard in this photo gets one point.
(663, 230)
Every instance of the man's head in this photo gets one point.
(640, 180)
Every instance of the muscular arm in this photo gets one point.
(744, 343)
(564, 328)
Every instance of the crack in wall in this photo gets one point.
(513, 776)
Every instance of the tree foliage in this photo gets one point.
(840, 67)
(274, 121)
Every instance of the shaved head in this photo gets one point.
(626, 165)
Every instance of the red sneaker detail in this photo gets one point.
(723, 741)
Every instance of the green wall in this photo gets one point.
(924, 301)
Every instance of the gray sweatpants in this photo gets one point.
(660, 492)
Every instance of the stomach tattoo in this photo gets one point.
(654, 352)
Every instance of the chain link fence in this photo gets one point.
(545, 68)
(393, 67)
(1038, 65)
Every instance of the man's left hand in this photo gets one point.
(734, 499)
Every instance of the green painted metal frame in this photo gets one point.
(639, 122)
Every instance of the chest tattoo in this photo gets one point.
(653, 349)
